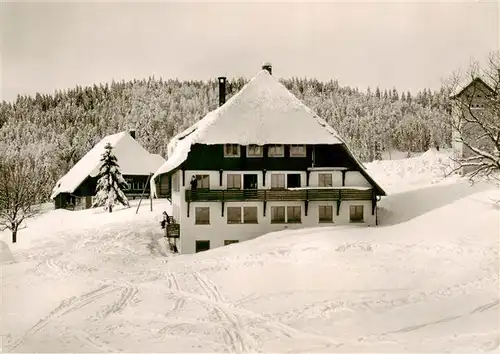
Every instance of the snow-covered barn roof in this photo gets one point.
(465, 84)
(263, 112)
(132, 158)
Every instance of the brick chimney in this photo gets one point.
(222, 90)
(268, 66)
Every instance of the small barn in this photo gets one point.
(77, 188)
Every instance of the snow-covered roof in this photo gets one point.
(263, 112)
(132, 158)
(466, 83)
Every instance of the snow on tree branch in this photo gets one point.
(23, 175)
(110, 183)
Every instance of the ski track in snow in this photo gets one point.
(127, 296)
(93, 342)
(66, 306)
(238, 339)
(180, 301)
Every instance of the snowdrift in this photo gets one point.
(427, 280)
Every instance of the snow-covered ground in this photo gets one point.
(425, 280)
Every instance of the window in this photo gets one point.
(228, 242)
(203, 181)
(293, 214)
(250, 215)
(254, 151)
(325, 213)
(233, 181)
(277, 214)
(278, 181)
(129, 183)
(356, 213)
(231, 150)
(176, 182)
(293, 180)
(202, 246)
(298, 151)
(325, 180)
(276, 151)
(234, 215)
(202, 215)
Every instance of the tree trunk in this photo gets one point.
(14, 236)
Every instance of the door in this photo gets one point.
(202, 246)
(249, 181)
(293, 180)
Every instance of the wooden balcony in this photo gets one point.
(267, 195)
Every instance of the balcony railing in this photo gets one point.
(211, 195)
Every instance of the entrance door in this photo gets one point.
(202, 246)
(249, 181)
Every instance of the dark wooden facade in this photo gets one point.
(82, 196)
(211, 158)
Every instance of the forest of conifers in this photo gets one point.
(62, 127)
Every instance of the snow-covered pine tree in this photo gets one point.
(110, 184)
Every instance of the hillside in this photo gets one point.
(61, 128)
(426, 280)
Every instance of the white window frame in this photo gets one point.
(281, 207)
(230, 153)
(325, 220)
(295, 152)
(256, 221)
(198, 210)
(320, 181)
(176, 185)
(299, 221)
(232, 177)
(271, 151)
(200, 179)
(280, 176)
(351, 208)
(260, 151)
(232, 209)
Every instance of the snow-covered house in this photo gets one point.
(471, 100)
(263, 162)
(77, 188)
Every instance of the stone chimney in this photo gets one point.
(222, 90)
(268, 66)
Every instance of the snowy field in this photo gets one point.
(425, 280)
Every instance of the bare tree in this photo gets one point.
(22, 188)
(476, 120)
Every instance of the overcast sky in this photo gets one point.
(409, 45)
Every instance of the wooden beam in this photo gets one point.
(264, 209)
(222, 214)
(264, 177)
(374, 202)
(306, 202)
(183, 177)
(220, 177)
(339, 201)
(343, 178)
(308, 173)
(188, 204)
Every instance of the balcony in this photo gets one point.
(268, 195)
